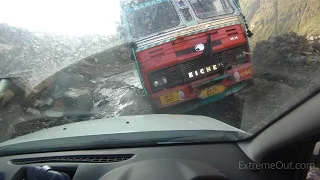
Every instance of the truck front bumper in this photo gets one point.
(205, 90)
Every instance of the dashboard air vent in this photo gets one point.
(75, 159)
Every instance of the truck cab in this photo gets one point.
(188, 51)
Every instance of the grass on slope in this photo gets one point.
(272, 17)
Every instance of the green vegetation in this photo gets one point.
(273, 17)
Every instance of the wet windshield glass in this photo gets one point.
(74, 67)
(146, 17)
(211, 8)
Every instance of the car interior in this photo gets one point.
(290, 139)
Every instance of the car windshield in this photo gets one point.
(151, 71)
(146, 17)
(211, 8)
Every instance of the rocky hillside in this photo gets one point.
(36, 56)
(287, 49)
(273, 17)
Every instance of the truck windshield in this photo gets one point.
(211, 8)
(146, 17)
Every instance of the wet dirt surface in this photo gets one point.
(112, 88)
(122, 95)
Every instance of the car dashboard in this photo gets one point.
(185, 162)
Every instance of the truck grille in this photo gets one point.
(229, 57)
(178, 74)
(173, 75)
(193, 65)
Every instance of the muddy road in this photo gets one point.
(123, 95)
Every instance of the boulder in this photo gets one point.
(78, 99)
(33, 111)
(51, 113)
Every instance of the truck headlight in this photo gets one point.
(156, 83)
(159, 82)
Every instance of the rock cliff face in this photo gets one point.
(273, 17)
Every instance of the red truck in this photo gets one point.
(188, 51)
